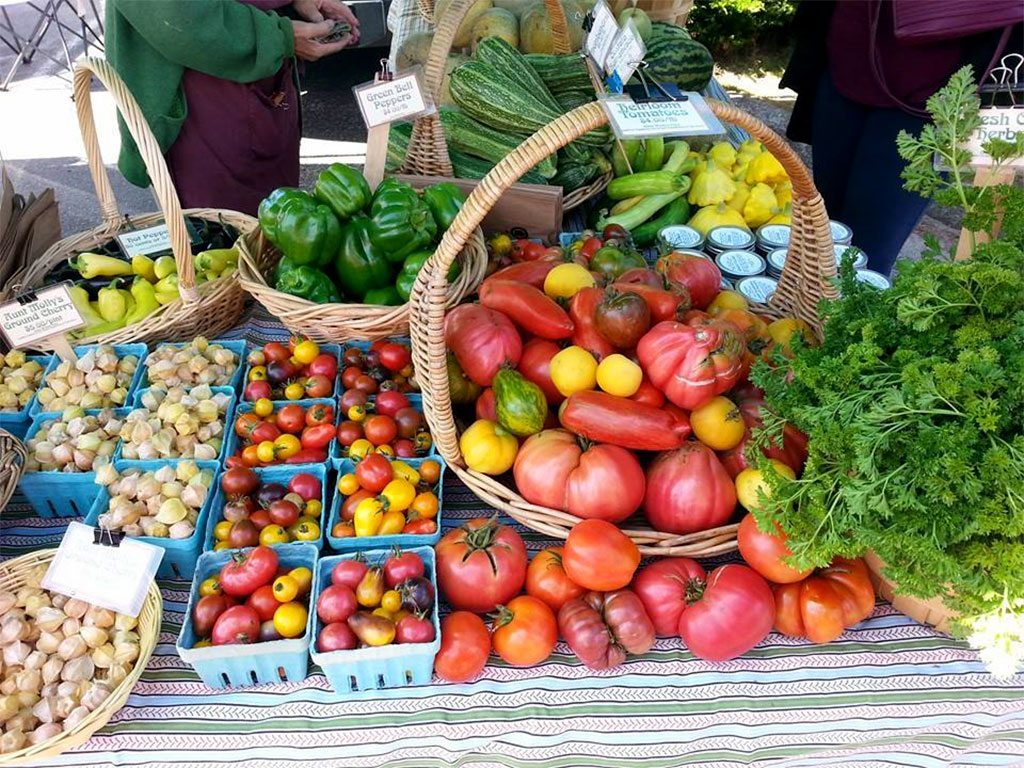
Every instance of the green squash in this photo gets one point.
(521, 405)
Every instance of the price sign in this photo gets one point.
(689, 116)
(39, 315)
(625, 53)
(103, 571)
(602, 33)
(996, 123)
(389, 101)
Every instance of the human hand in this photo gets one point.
(318, 10)
(307, 45)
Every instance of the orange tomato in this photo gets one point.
(424, 505)
(430, 471)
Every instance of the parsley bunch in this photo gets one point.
(914, 406)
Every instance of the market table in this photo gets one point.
(888, 692)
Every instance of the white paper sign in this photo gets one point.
(51, 312)
(116, 578)
(392, 100)
(689, 117)
(156, 239)
(602, 32)
(625, 53)
(996, 123)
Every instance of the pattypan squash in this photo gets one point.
(711, 216)
(760, 206)
(765, 168)
(711, 186)
(724, 154)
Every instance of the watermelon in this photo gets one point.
(675, 57)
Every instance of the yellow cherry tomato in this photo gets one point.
(274, 534)
(294, 391)
(384, 613)
(385, 450)
(286, 446)
(290, 619)
(425, 505)
(751, 482)
(727, 300)
(404, 471)
(221, 530)
(220, 546)
(399, 494)
(430, 471)
(566, 280)
(263, 407)
(313, 508)
(718, 424)
(357, 413)
(285, 589)
(391, 523)
(258, 373)
(782, 333)
(203, 643)
(303, 577)
(210, 586)
(488, 448)
(306, 530)
(422, 442)
(265, 451)
(306, 351)
(391, 600)
(360, 449)
(618, 375)
(573, 369)
(368, 516)
(400, 614)
(348, 484)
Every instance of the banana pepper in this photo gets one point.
(112, 302)
(143, 266)
(146, 302)
(343, 189)
(400, 222)
(90, 265)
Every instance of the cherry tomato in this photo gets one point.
(263, 407)
(263, 602)
(250, 457)
(343, 531)
(206, 612)
(430, 471)
(287, 446)
(295, 391)
(239, 482)
(349, 431)
(425, 505)
(465, 646)
(285, 589)
(420, 527)
(211, 586)
(394, 356)
(318, 437)
(247, 571)
(374, 473)
(290, 620)
(306, 485)
(274, 534)
(348, 507)
(305, 351)
(380, 430)
(336, 603)
(258, 373)
(402, 566)
(305, 530)
(291, 419)
(275, 352)
(349, 376)
(303, 577)
(348, 484)
(366, 384)
(308, 456)
(352, 397)
(265, 432)
(317, 385)
(239, 624)
(319, 413)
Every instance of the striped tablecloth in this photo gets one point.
(888, 693)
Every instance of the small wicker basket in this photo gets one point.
(13, 575)
(810, 266)
(932, 612)
(12, 462)
(206, 309)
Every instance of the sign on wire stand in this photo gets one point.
(389, 101)
(687, 116)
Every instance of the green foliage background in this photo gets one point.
(726, 26)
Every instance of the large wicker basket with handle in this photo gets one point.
(13, 575)
(204, 309)
(810, 265)
(12, 462)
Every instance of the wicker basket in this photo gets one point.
(809, 267)
(932, 612)
(207, 309)
(13, 574)
(12, 461)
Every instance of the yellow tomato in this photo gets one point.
(306, 351)
(566, 280)
(221, 530)
(348, 484)
(727, 300)
(782, 333)
(385, 450)
(312, 508)
(294, 391)
(391, 600)
(285, 589)
(290, 620)
(305, 530)
(303, 577)
(573, 369)
(399, 494)
(274, 534)
(384, 613)
(718, 424)
(258, 373)
(265, 451)
(286, 446)
(618, 375)
(357, 413)
(220, 546)
(360, 449)
(210, 586)
(368, 516)
(751, 482)
(263, 407)
(488, 448)
(404, 471)
(393, 522)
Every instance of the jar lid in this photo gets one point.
(776, 260)
(680, 236)
(860, 259)
(841, 234)
(729, 238)
(737, 264)
(758, 289)
(876, 279)
(773, 236)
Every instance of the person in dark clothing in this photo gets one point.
(858, 85)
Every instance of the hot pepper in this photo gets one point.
(400, 222)
(96, 265)
(309, 283)
(111, 302)
(343, 189)
(143, 266)
(164, 267)
(359, 266)
(444, 200)
(167, 289)
(301, 227)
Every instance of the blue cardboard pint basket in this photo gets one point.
(277, 474)
(229, 417)
(18, 422)
(121, 350)
(388, 666)
(403, 540)
(234, 443)
(180, 555)
(61, 494)
(275, 661)
(330, 349)
(238, 346)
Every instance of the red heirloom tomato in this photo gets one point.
(622, 317)
(602, 627)
(547, 580)
(581, 311)
(692, 364)
(688, 491)
(465, 646)
(390, 402)
(766, 552)
(480, 565)
(239, 481)
(731, 614)
(595, 481)
(641, 276)
(238, 625)
(701, 277)
(247, 571)
(792, 452)
(394, 356)
(535, 366)
(482, 340)
(824, 604)
(336, 637)
(598, 556)
(664, 304)
(663, 586)
(525, 631)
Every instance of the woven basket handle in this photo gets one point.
(156, 166)
(810, 264)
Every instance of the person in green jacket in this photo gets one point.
(216, 80)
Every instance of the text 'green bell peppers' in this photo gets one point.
(444, 200)
(303, 228)
(359, 266)
(343, 189)
(309, 283)
(400, 222)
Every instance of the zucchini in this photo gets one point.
(469, 167)
(648, 183)
(467, 135)
(569, 100)
(561, 72)
(506, 58)
(654, 154)
(676, 212)
(398, 146)
(572, 177)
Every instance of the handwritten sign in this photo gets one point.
(602, 33)
(637, 120)
(46, 312)
(392, 100)
(156, 239)
(113, 578)
(625, 53)
(996, 123)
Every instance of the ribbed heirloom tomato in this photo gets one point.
(824, 604)
(480, 565)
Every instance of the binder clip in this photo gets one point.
(649, 89)
(1006, 89)
(105, 538)
(27, 297)
(385, 75)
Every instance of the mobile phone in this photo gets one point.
(341, 28)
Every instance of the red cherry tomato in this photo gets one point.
(380, 430)
(291, 419)
(394, 356)
(318, 437)
(374, 472)
(263, 602)
(248, 571)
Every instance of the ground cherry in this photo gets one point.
(263, 407)
(285, 589)
(348, 484)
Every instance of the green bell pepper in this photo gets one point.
(303, 228)
(411, 267)
(444, 200)
(285, 264)
(309, 283)
(359, 266)
(400, 222)
(383, 296)
(271, 206)
(343, 189)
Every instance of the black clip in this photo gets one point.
(646, 83)
(588, 21)
(107, 538)
(519, 233)
(27, 297)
